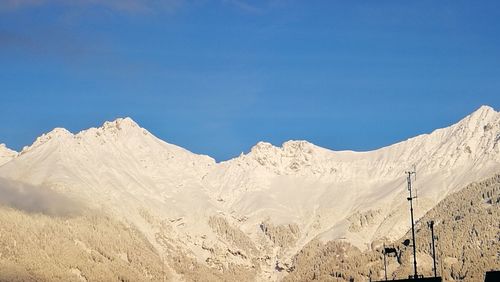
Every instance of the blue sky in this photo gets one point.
(218, 76)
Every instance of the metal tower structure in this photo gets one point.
(410, 199)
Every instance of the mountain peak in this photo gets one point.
(3, 146)
(483, 112)
(56, 133)
(121, 124)
(485, 108)
(118, 127)
(4, 150)
(290, 145)
(296, 145)
(480, 117)
(6, 154)
(293, 155)
(262, 146)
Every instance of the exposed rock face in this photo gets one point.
(233, 236)
(360, 220)
(284, 236)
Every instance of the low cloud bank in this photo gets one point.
(34, 199)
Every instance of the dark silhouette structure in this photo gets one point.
(387, 250)
(385, 264)
(431, 226)
(414, 277)
(410, 199)
(492, 276)
(422, 279)
(489, 276)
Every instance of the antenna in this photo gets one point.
(431, 226)
(414, 166)
(410, 199)
(414, 172)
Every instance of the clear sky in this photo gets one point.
(218, 76)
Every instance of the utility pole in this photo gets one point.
(431, 226)
(410, 199)
(385, 265)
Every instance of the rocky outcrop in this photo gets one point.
(360, 220)
(233, 235)
(284, 236)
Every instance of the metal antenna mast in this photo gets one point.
(410, 199)
(431, 226)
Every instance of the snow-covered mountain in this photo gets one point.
(6, 154)
(360, 196)
(261, 207)
(119, 167)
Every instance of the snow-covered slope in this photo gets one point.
(272, 200)
(6, 154)
(360, 196)
(120, 168)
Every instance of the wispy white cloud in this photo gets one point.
(142, 6)
(33, 199)
(8, 5)
(245, 6)
(127, 6)
(46, 42)
(254, 7)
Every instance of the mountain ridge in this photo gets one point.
(6, 154)
(127, 123)
(272, 200)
